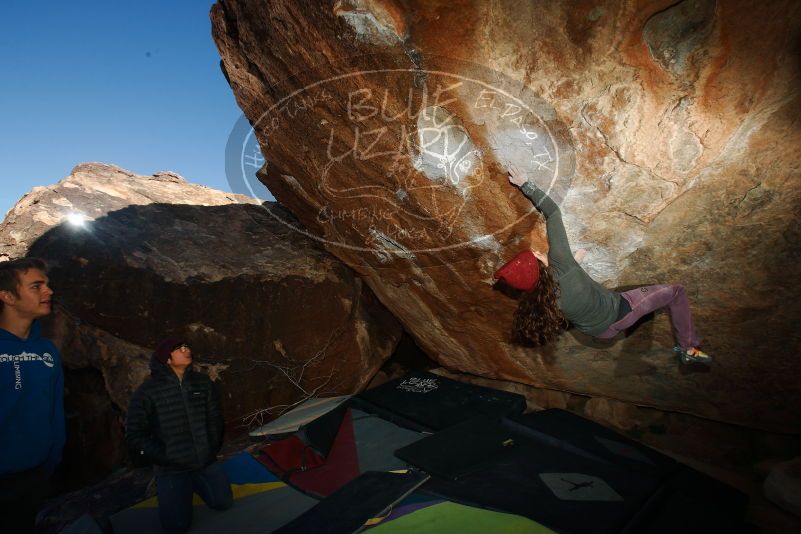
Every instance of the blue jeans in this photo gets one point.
(644, 300)
(175, 495)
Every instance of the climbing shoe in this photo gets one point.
(692, 355)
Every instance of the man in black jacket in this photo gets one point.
(175, 421)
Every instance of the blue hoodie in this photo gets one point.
(31, 402)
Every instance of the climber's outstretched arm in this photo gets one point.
(559, 253)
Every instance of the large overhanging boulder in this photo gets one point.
(668, 133)
(273, 317)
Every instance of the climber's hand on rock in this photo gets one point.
(516, 177)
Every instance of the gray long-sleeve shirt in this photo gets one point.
(589, 306)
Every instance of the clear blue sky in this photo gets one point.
(136, 84)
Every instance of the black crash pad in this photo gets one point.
(428, 402)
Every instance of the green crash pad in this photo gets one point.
(453, 517)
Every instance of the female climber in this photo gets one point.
(556, 290)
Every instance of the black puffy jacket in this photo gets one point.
(176, 424)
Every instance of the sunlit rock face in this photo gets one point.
(272, 316)
(668, 132)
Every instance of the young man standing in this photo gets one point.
(31, 394)
(175, 421)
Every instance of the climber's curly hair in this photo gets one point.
(538, 320)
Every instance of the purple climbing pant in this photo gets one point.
(644, 300)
